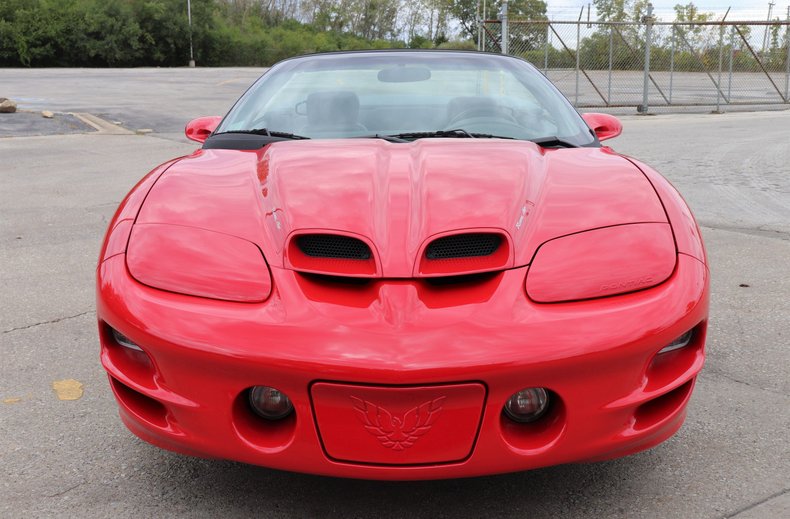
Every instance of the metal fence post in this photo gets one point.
(546, 56)
(505, 29)
(732, 54)
(787, 58)
(578, 54)
(479, 29)
(611, 45)
(721, 59)
(649, 24)
(672, 63)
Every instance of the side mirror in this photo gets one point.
(199, 129)
(605, 126)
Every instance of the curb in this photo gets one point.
(101, 126)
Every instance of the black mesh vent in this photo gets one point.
(333, 246)
(463, 246)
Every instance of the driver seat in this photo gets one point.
(333, 111)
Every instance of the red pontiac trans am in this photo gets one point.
(403, 265)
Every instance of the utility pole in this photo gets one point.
(189, 17)
(765, 34)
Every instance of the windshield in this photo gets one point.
(400, 93)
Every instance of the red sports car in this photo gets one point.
(403, 265)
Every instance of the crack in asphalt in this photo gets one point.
(52, 321)
(97, 206)
(709, 371)
(756, 231)
(66, 491)
(758, 503)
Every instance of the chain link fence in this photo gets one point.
(653, 65)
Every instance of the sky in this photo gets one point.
(741, 9)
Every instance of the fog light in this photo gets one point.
(678, 343)
(124, 341)
(527, 405)
(270, 403)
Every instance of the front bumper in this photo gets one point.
(613, 396)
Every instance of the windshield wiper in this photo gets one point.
(553, 142)
(266, 132)
(457, 132)
(388, 138)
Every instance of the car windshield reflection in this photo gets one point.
(399, 93)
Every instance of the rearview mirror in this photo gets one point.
(199, 129)
(403, 74)
(605, 126)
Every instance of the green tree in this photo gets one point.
(690, 13)
(620, 10)
(613, 10)
(225, 32)
(465, 13)
(110, 36)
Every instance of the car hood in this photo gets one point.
(399, 196)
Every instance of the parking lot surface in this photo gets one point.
(64, 452)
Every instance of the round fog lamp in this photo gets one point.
(270, 403)
(527, 405)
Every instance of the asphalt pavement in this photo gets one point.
(64, 452)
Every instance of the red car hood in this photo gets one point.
(400, 195)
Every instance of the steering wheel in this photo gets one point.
(497, 114)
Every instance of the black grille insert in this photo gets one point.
(333, 246)
(463, 246)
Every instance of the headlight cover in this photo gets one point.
(198, 262)
(602, 262)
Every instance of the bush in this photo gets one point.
(458, 45)
(102, 33)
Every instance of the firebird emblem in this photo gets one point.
(398, 433)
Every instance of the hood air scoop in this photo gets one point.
(463, 246)
(465, 253)
(449, 255)
(333, 246)
(332, 254)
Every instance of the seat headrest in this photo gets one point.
(335, 109)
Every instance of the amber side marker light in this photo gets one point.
(270, 403)
(680, 342)
(124, 341)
